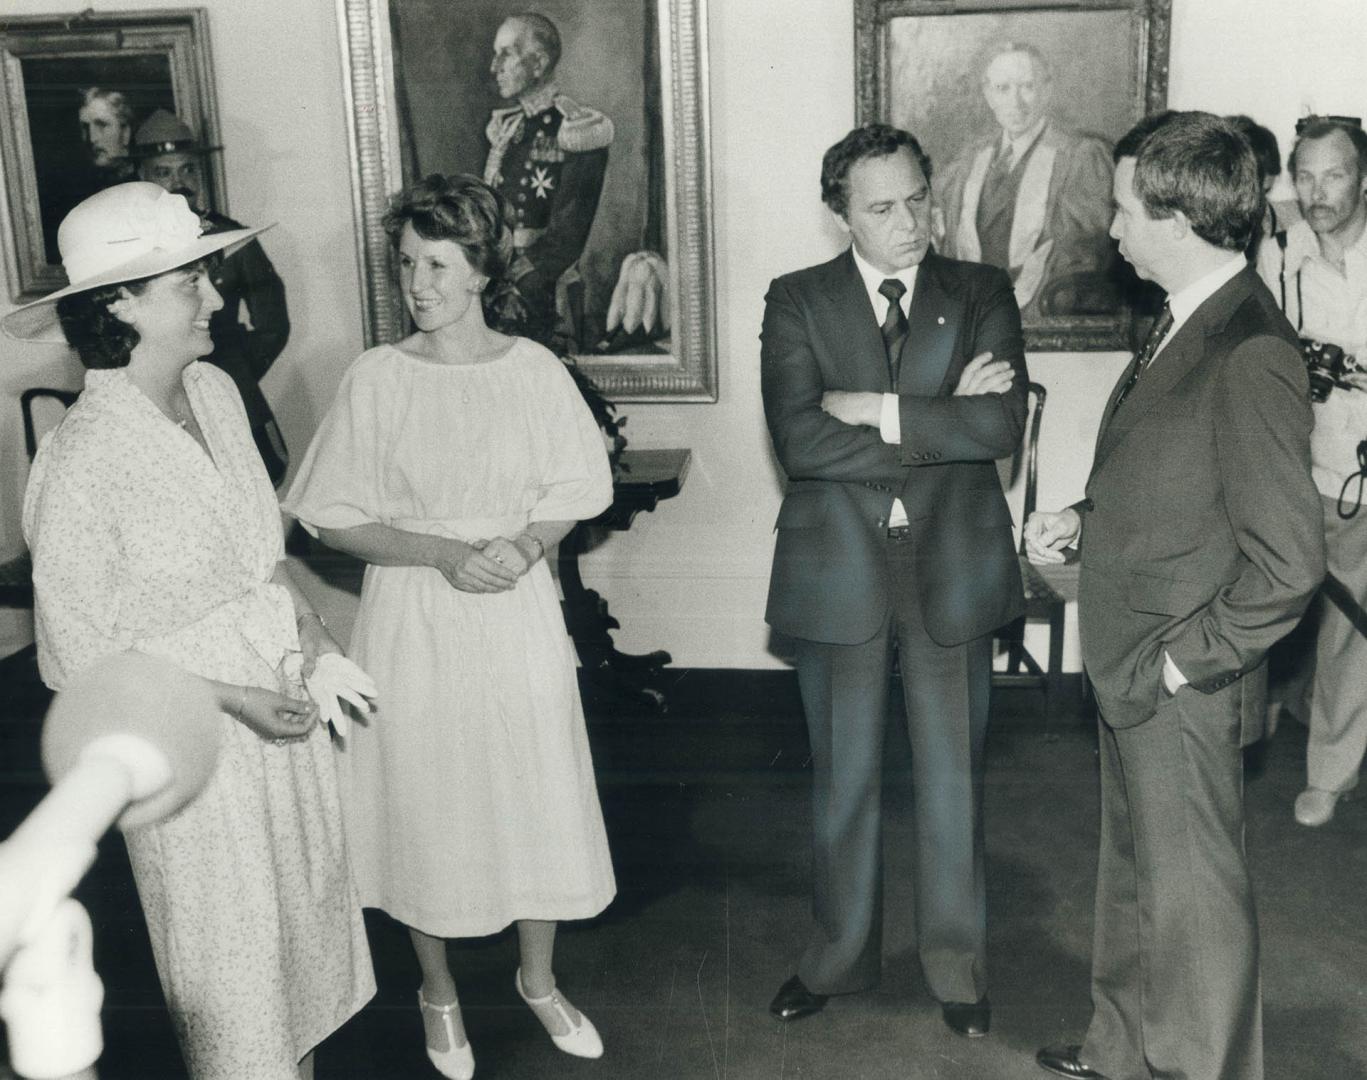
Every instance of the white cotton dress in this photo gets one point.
(141, 541)
(469, 793)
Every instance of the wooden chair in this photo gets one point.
(1048, 589)
(16, 574)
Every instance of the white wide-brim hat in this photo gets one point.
(123, 233)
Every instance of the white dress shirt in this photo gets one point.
(890, 421)
(1183, 304)
(1018, 147)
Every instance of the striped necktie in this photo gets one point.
(894, 326)
(1142, 358)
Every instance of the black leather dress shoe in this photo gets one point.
(969, 1018)
(794, 1001)
(1063, 1061)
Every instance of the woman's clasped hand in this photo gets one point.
(485, 566)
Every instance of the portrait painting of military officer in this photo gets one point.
(558, 107)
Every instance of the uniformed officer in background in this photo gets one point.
(169, 154)
(547, 157)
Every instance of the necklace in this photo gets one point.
(182, 419)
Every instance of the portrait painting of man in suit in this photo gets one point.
(1019, 110)
(1030, 195)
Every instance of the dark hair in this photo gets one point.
(1130, 142)
(1322, 127)
(543, 32)
(1199, 165)
(1264, 143)
(460, 208)
(101, 339)
(866, 141)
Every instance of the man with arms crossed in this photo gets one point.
(1201, 546)
(892, 378)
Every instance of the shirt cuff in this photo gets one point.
(890, 420)
(1171, 672)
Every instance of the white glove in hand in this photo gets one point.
(336, 679)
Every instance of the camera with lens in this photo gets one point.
(1328, 366)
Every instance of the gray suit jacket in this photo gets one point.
(829, 577)
(1202, 531)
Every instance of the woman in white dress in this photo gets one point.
(153, 527)
(450, 462)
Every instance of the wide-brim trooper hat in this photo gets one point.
(123, 233)
(165, 133)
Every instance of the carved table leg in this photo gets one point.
(609, 677)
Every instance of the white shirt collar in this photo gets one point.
(1021, 143)
(1303, 244)
(873, 277)
(1184, 302)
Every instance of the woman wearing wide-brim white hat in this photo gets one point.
(123, 233)
(154, 527)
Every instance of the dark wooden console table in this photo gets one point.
(609, 677)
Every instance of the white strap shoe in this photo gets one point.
(579, 1038)
(1315, 806)
(438, 1023)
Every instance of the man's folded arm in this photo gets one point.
(809, 442)
(973, 427)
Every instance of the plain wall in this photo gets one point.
(692, 576)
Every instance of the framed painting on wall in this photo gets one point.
(603, 161)
(1019, 105)
(73, 91)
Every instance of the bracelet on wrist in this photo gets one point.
(242, 704)
(299, 619)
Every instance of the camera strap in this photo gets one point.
(1342, 598)
(1360, 476)
(1280, 237)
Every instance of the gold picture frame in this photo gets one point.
(149, 59)
(385, 128)
(1099, 65)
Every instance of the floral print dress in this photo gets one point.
(141, 540)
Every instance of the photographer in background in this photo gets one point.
(1320, 279)
(1278, 216)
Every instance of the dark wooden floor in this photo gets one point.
(708, 816)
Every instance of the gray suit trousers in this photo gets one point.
(1175, 987)
(845, 692)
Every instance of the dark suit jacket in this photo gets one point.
(1201, 531)
(829, 574)
(247, 277)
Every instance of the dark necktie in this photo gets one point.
(1161, 326)
(894, 325)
